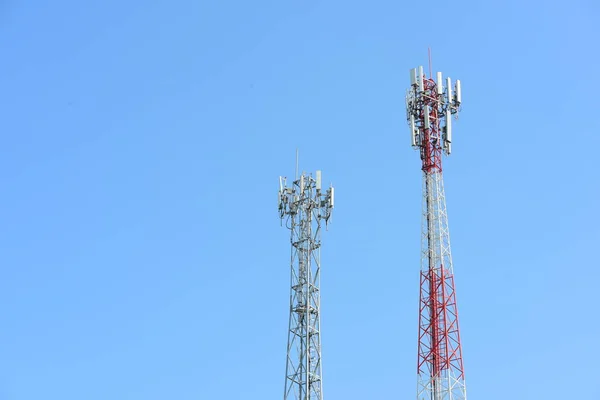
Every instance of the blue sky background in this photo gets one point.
(140, 246)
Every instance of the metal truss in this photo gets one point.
(304, 207)
(440, 365)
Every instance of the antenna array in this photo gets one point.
(429, 106)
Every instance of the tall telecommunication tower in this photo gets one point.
(304, 206)
(430, 106)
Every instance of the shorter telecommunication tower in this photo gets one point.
(304, 206)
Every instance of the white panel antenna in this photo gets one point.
(449, 89)
(420, 79)
(318, 184)
(280, 193)
(448, 126)
(331, 197)
(413, 135)
(426, 111)
(457, 93)
(413, 77)
(440, 85)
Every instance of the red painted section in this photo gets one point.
(431, 146)
(439, 338)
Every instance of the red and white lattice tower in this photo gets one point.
(430, 105)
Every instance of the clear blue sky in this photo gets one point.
(140, 248)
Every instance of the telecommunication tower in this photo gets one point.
(304, 206)
(430, 105)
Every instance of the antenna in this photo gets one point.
(318, 185)
(440, 84)
(413, 133)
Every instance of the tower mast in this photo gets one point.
(304, 207)
(430, 105)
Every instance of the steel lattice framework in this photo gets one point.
(303, 207)
(430, 105)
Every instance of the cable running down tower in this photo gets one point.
(304, 207)
(430, 106)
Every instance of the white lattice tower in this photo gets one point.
(303, 207)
